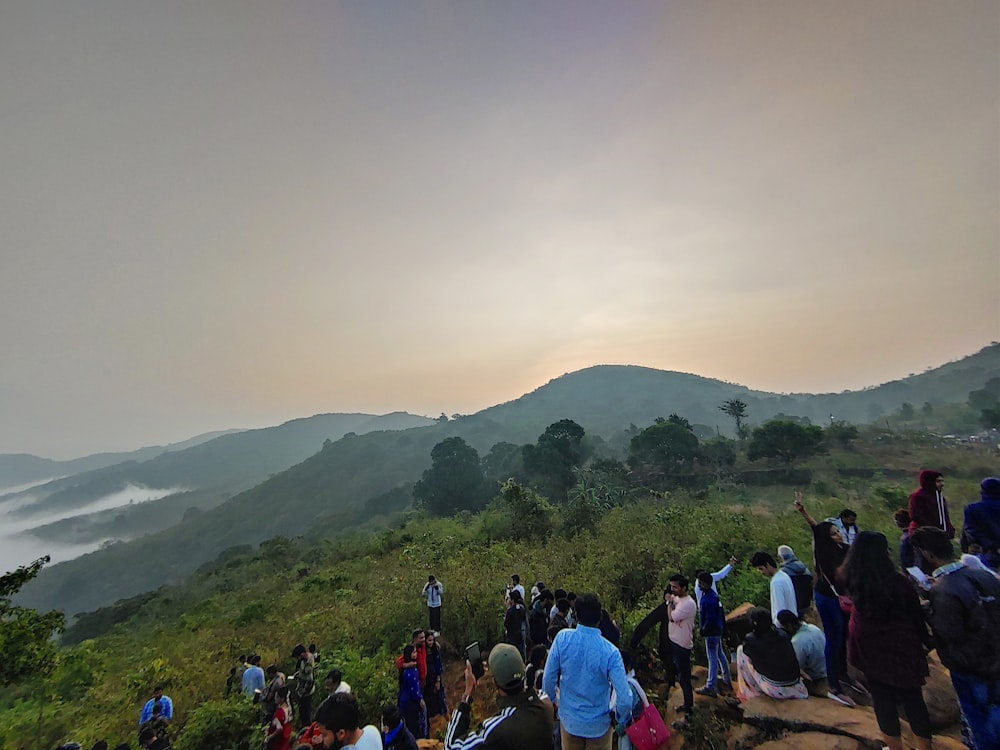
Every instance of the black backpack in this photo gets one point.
(803, 585)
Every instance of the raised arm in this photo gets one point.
(802, 509)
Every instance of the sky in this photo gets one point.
(230, 213)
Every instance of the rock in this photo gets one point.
(940, 697)
(827, 717)
(810, 741)
(744, 737)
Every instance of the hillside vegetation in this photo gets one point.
(621, 534)
(346, 482)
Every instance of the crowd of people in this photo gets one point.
(564, 682)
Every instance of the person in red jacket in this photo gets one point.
(928, 506)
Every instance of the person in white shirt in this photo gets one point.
(339, 720)
(782, 590)
(681, 611)
(432, 593)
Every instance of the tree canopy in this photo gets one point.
(455, 480)
(26, 646)
(550, 461)
(786, 441)
(736, 409)
(665, 445)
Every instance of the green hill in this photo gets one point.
(330, 488)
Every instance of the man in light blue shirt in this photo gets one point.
(583, 666)
(166, 706)
(253, 676)
(809, 643)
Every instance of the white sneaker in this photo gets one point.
(841, 698)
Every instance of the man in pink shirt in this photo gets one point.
(681, 611)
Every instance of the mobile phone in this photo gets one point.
(475, 657)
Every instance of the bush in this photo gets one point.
(223, 725)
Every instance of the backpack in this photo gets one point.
(803, 585)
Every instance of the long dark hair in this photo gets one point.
(872, 578)
(827, 554)
(408, 655)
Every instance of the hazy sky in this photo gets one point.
(227, 214)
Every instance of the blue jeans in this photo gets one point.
(718, 662)
(835, 630)
(980, 702)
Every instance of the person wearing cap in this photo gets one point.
(583, 666)
(982, 523)
(524, 720)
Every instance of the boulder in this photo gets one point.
(826, 717)
(940, 697)
(744, 737)
(810, 741)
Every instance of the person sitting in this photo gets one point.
(810, 647)
(766, 663)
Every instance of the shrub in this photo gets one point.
(223, 725)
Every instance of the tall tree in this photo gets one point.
(26, 646)
(455, 480)
(736, 409)
(550, 461)
(665, 445)
(786, 441)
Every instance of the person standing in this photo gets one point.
(681, 611)
(515, 622)
(410, 699)
(305, 682)
(253, 676)
(711, 620)
(583, 666)
(846, 521)
(829, 553)
(524, 719)
(927, 505)
(166, 707)
(982, 523)
(965, 634)
(432, 593)
(888, 639)
(781, 588)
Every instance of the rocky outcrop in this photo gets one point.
(819, 715)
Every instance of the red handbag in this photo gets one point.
(648, 732)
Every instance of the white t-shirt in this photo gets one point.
(782, 595)
(371, 739)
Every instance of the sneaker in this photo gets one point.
(733, 702)
(711, 692)
(841, 698)
(680, 724)
(682, 707)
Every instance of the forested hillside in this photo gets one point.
(345, 482)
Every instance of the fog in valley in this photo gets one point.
(19, 546)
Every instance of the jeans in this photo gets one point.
(682, 666)
(718, 662)
(980, 702)
(835, 630)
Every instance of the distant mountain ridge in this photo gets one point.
(17, 469)
(327, 489)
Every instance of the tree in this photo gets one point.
(736, 409)
(551, 460)
(786, 441)
(842, 432)
(455, 480)
(503, 462)
(990, 418)
(719, 454)
(664, 445)
(26, 647)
